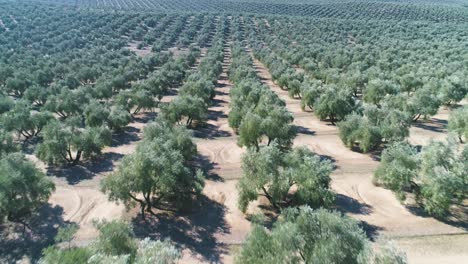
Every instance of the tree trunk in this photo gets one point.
(78, 157)
(268, 196)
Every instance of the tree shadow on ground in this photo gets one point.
(29, 146)
(86, 170)
(347, 204)
(215, 115)
(125, 137)
(458, 216)
(304, 130)
(197, 231)
(433, 124)
(145, 117)
(14, 246)
(207, 166)
(210, 131)
(372, 231)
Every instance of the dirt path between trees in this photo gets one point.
(216, 143)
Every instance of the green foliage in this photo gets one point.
(334, 104)
(115, 244)
(310, 92)
(68, 102)
(118, 118)
(398, 168)
(5, 104)
(54, 255)
(250, 131)
(388, 253)
(115, 238)
(24, 121)
(185, 108)
(156, 252)
(272, 173)
(443, 177)
(454, 88)
(96, 114)
(66, 234)
(23, 188)
(376, 90)
(305, 235)
(374, 126)
(6, 143)
(159, 170)
(458, 122)
(68, 142)
(437, 175)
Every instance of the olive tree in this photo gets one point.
(118, 118)
(304, 235)
(7, 145)
(187, 109)
(23, 189)
(115, 244)
(376, 90)
(272, 173)
(159, 170)
(453, 88)
(68, 102)
(436, 175)
(334, 103)
(115, 238)
(5, 104)
(458, 123)
(311, 90)
(442, 177)
(398, 169)
(25, 121)
(374, 126)
(68, 142)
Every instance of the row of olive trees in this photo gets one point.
(286, 177)
(437, 175)
(257, 113)
(116, 244)
(290, 177)
(161, 171)
(190, 107)
(339, 84)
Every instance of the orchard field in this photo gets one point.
(242, 131)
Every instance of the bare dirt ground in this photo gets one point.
(435, 249)
(216, 143)
(377, 208)
(133, 46)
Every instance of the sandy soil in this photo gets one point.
(217, 144)
(133, 46)
(435, 249)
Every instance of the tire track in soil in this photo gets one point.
(217, 143)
